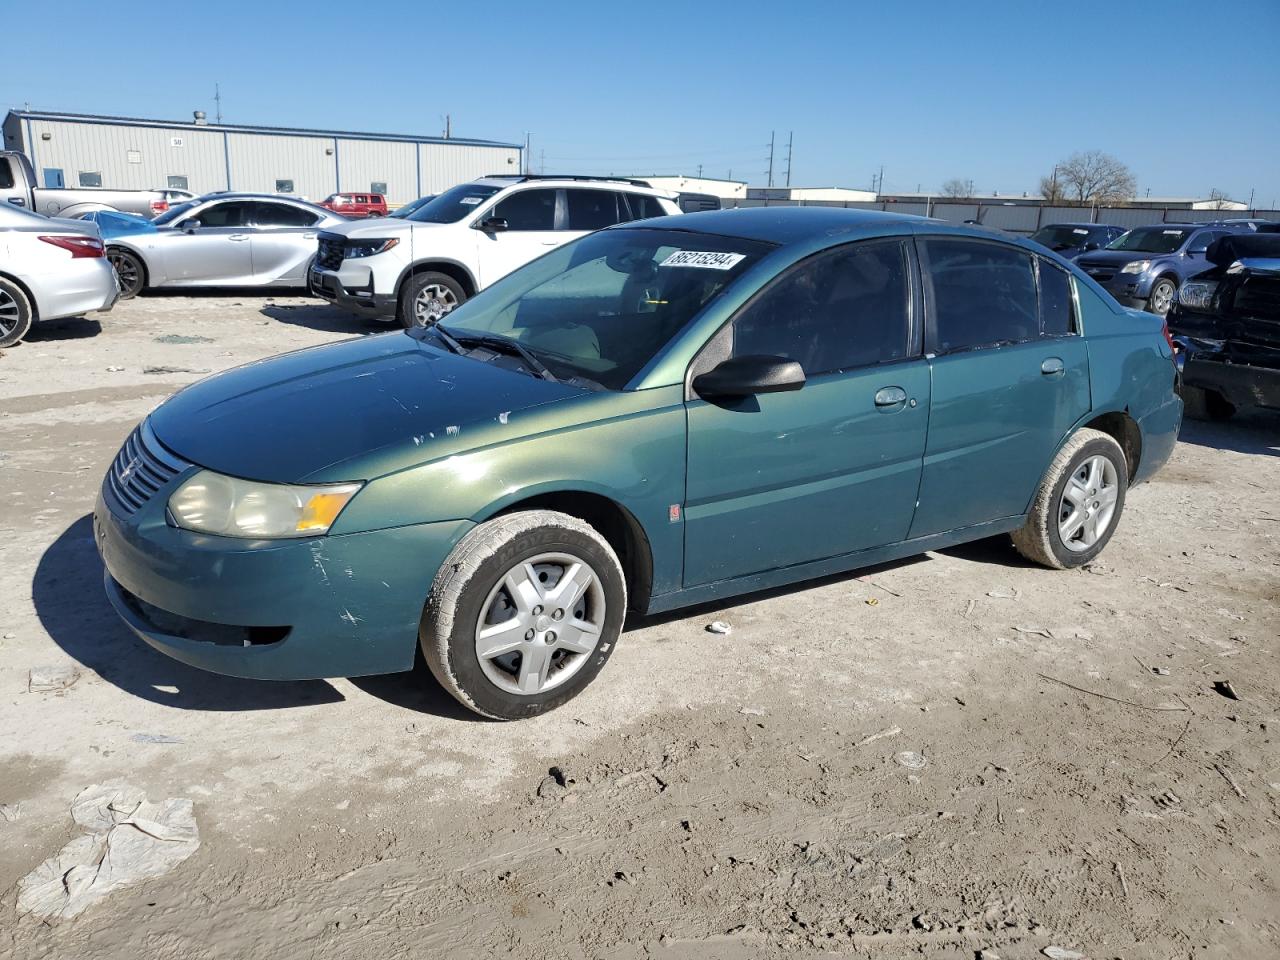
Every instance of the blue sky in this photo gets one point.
(996, 92)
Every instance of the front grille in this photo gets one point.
(332, 250)
(1101, 274)
(140, 469)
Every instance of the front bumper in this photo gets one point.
(332, 606)
(1244, 374)
(352, 288)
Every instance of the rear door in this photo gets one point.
(1010, 378)
(284, 241)
(781, 479)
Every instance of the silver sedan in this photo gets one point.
(225, 239)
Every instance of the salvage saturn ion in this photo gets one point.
(658, 414)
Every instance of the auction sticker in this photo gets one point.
(707, 260)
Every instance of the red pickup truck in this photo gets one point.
(357, 204)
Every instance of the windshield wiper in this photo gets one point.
(449, 341)
(509, 346)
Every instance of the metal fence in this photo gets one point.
(1024, 219)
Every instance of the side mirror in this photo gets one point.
(191, 226)
(747, 376)
(492, 225)
(1091, 245)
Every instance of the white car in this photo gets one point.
(420, 268)
(49, 269)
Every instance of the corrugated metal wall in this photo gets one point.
(447, 165)
(128, 158)
(362, 162)
(141, 157)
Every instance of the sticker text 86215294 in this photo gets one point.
(706, 260)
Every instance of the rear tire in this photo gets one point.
(426, 298)
(1078, 504)
(15, 313)
(1201, 404)
(524, 613)
(130, 271)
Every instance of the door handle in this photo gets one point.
(17, 201)
(890, 397)
(1052, 366)
(308, 236)
(550, 243)
(238, 236)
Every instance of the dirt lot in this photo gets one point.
(722, 796)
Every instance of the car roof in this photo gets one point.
(780, 225)
(1095, 226)
(568, 180)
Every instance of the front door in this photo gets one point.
(530, 232)
(216, 251)
(781, 479)
(283, 242)
(1010, 378)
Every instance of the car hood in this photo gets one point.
(374, 227)
(1115, 258)
(348, 411)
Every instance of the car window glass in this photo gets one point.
(644, 206)
(1200, 242)
(528, 210)
(593, 209)
(6, 174)
(281, 215)
(983, 294)
(232, 214)
(841, 309)
(1057, 308)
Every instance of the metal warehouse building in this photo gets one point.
(73, 150)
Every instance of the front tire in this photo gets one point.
(523, 614)
(1078, 504)
(15, 313)
(426, 298)
(1163, 293)
(129, 271)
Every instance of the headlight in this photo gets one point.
(368, 248)
(212, 503)
(1138, 266)
(1197, 295)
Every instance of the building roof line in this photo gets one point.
(188, 125)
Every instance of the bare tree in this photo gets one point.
(1218, 200)
(1051, 189)
(1091, 177)
(957, 187)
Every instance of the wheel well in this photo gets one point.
(146, 274)
(1124, 430)
(35, 309)
(451, 270)
(616, 524)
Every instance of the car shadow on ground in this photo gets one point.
(72, 606)
(325, 318)
(70, 328)
(417, 690)
(1250, 431)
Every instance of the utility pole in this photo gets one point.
(217, 99)
(880, 181)
(771, 137)
(1251, 198)
(790, 138)
(699, 171)
(525, 158)
(448, 126)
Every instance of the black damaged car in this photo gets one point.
(1226, 324)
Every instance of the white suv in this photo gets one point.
(419, 268)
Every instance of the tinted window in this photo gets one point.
(378, 188)
(6, 174)
(90, 179)
(594, 209)
(234, 214)
(1150, 240)
(846, 308)
(1200, 242)
(284, 186)
(452, 205)
(983, 294)
(178, 183)
(281, 215)
(1056, 306)
(528, 210)
(643, 207)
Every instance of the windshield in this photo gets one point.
(1151, 240)
(452, 205)
(601, 308)
(1062, 238)
(411, 206)
(173, 213)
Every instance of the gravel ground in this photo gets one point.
(1071, 777)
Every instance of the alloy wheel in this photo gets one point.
(126, 271)
(1088, 503)
(1161, 298)
(540, 623)
(10, 313)
(433, 302)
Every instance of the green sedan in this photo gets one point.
(657, 415)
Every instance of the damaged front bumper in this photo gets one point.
(333, 606)
(1244, 374)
